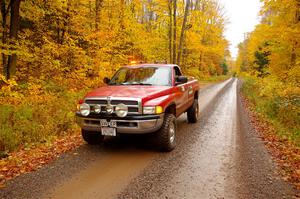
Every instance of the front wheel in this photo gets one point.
(193, 112)
(166, 136)
(92, 137)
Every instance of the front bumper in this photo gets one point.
(128, 125)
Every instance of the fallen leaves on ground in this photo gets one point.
(285, 153)
(27, 160)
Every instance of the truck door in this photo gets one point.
(181, 92)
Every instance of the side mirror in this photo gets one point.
(106, 80)
(181, 80)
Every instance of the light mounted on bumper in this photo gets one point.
(97, 108)
(121, 110)
(150, 110)
(84, 109)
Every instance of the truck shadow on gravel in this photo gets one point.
(128, 142)
(132, 142)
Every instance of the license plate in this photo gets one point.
(108, 131)
(105, 123)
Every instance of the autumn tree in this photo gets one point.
(269, 57)
(64, 37)
(10, 35)
(183, 29)
(274, 45)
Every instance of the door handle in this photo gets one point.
(182, 89)
(190, 90)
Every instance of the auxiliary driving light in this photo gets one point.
(85, 109)
(97, 108)
(121, 110)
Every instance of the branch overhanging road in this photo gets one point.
(218, 157)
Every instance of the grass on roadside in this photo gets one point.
(273, 110)
(214, 78)
(277, 103)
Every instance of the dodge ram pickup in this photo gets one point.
(139, 99)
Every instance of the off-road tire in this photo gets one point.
(166, 136)
(193, 112)
(92, 137)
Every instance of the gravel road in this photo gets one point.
(218, 157)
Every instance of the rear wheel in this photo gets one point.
(92, 137)
(193, 112)
(166, 136)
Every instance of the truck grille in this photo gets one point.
(134, 107)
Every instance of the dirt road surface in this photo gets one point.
(218, 157)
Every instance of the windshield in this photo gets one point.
(157, 76)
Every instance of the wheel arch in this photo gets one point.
(171, 108)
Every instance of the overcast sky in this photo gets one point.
(243, 16)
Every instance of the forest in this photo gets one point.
(269, 61)
(53, 51)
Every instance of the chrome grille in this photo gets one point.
(134, 105)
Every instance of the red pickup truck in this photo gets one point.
(139, 99)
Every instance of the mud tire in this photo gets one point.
(166, 136)
(193, 112)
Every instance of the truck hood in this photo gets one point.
(135, 91)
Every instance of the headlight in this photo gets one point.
(97, 108)
(84, 109)
(121, 110)
(149, 110)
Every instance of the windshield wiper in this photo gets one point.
(146, 84)
(115, 84)
(137, 83)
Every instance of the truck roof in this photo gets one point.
(146, 65)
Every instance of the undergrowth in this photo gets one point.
(277, 102)
(37, 112)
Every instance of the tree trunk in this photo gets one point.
(150, 15)
(4, 37)
(66, 22)
(122, 14)
(183, 28)
(170, 30)
(91, 14)
(174, 30)
(295, 43)
(97, 17)
(13, 35)
(200, 60)
(184, 55)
